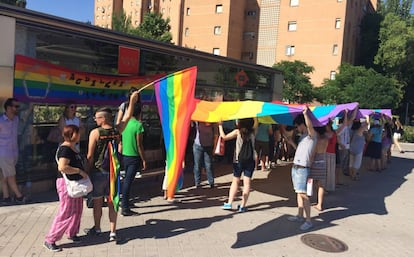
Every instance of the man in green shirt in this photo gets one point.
(133, 156)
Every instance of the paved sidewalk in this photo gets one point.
(373, 217)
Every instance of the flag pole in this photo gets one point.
(147, 85)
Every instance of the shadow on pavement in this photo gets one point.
(366, 196)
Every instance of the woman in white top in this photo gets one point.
(69, 118)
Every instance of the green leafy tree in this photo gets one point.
(401, 8)
(297, 87)
(20, 3)
(154, 27)
(395, 34)
(122, 23)
(369, 43)
(359, 84)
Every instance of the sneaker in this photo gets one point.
(112, 237)
(129, 212)
(52, 247)
(241, 209)
(21, 200)
(307, 225)
(226, 206)
(92, 231)
(211, 185)
(75, 239)
(295, 218)
(138, 175)
(6, 201)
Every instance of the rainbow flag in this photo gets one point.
(40, 81)
(270, 113)
(176, 103)
(114, 178)
(363, 112)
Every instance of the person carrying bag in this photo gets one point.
(71, 172)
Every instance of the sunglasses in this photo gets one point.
(72, 106)
(16, 106)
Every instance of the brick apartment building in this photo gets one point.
(322, 33)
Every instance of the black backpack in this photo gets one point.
(246, 152)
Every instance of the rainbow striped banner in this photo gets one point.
(40, 81)
(364, 112)
(114, 178)
(267, 112)
(176, 103)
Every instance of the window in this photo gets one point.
(216, 51)
(217, 30)
(219, 8)
(187, 12)
(163, 10)
(290, 50)
(292, 26)
(332, 75)
(337, 23)
(335, 49)
(249, 35)
(251, 13)
(186, 32)
(294, 2)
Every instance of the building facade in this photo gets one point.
(323, 33)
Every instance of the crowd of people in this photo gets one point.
(318, 155)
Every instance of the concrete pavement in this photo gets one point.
(373, 217)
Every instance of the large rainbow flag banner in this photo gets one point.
(267, 112)
(325, 112)
(40, 81)
(367, 112)
(222, 111)
(175, 101)
(114, 176)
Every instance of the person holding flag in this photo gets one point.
(105, 173)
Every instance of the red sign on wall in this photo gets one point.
(128, 60)
(241, 78)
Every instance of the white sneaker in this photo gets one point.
(307, 225)
(138, 175)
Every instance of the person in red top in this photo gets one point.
(330, 158)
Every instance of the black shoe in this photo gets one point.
(128, 212)
(92, 231)
(52, 247)
(212, 186)
(6, 201)
(21, 200)
(75, 239)
(198, 186)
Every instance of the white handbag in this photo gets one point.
(78, 188)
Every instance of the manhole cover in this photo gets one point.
(324, 243)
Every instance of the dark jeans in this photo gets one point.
(131, 165)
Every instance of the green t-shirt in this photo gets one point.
(129, 137)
